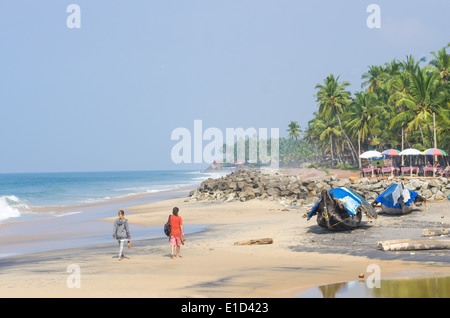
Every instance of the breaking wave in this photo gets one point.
(11, 207)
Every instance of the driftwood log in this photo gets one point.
(256, 242)
(427, 232)
(411, 245)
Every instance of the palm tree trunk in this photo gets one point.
(332, 158)
(421, 134)
(339, 155)
(315, 151)
(359, 149)
(350, 145)
(430, 136)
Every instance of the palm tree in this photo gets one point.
(441, 64)
(329, 132)
(323, 134)
(312, 135)
(443, 127)
(362, 118)
(392, 68)
(410, 65)
(374, 77)
(294, 130)
(423, 98)
(333, 99)
(396, 107)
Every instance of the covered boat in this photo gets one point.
(397, 199)
(340, 209)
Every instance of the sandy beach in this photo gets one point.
(302, 255)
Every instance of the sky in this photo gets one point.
(107, 96)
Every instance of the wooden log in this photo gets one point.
(427, 232)
(256, 242)
(413, 245)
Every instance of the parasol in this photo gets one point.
(370, 154)
(410, 152)
(390, 152)
(434, 152)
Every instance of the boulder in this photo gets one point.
(248, 184)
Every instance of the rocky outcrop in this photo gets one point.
(249, 184)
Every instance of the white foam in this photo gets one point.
(10, 206)
(66, 214)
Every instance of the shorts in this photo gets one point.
(175, 240)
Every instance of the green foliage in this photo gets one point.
(400, 100)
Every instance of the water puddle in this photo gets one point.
(428, 287)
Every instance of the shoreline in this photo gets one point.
(302, 255)
(72, 226)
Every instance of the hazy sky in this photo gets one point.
(108, 95)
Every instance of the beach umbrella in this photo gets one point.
(434, 152)
(390, 152)
(370, 154)
(410, 152)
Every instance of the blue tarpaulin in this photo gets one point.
(395, 195)
(349, 199)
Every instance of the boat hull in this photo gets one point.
(396, 211)
(332, 216)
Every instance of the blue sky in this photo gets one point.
(108, 95)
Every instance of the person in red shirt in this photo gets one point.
(177, 231)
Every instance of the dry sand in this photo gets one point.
(302, 255)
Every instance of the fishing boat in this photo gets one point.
(397, 199)
(340, 209)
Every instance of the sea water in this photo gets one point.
(19, 190)
(46, 211)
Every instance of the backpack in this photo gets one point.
(167, 228)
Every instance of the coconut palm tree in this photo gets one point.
(333, 99)
(330, 134)
(396, 108)
(423, 98)
(374, 78)
(362, 116)
(294, 130)
(312, 135)
(410, 64)
(441, 65)
(392, 68)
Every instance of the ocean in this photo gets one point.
(47, 211)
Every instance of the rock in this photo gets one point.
(274, 192)
(354, 180)
(230, 197)
(249, 194)
(249, 184)
(427, 193)
(415, 184)
(340, 183)
(434, 183)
